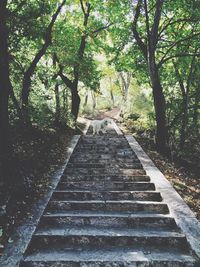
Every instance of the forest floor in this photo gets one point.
(36, 155)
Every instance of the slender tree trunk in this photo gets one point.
(25, 95)
(94, 102)
(184, 121)
(195, 111)
(4, 91)
(16, 103)
(75, 101)
(57, 115)
(111, 93)
(112, 97)
(64, 99)
(86, 99)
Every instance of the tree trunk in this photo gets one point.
(160, 112)
(75, 101)
(16, 103)
(184, 121)
(25, 95)
(112, 97)
(195, 110)
(111, 93)
(86, 100)
(148, 50)
(94, 102)
(57, 115)
(4, 92)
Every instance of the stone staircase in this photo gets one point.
(106, 212)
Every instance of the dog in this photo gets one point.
(100, 125)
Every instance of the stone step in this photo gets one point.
(88, 137)
(88, 237)
(102, 140)
(109, 258)
(148, 221)
(103, 144)
(100, 171)
(93, 156)
(107, 150)
(124, 165)
(85, 160)
(126, 206)
(106, 185)
(85, 165)
(105, 195)
(106, 178)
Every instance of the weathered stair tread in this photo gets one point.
(109, 185)
(110, 202)
(110, 177)
(105, 195)
(114, 257)
(99, 205)
(110, 214)
(109, 220)
(102, 231)
(78, 165)
(67, 242)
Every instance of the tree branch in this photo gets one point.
(82, 6)
(65, 79)
(164, 59)
(180, 80)
(136, 35)
(157, 16)
(170, 23)
(191, 71)
(175, 56)
(102, 28)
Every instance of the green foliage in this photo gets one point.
(110, 50)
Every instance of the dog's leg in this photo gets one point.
(93, 129)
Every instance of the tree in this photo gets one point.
(4, 89)
(30, 71)
(185, 91)
(149, 52)
(75, 62)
